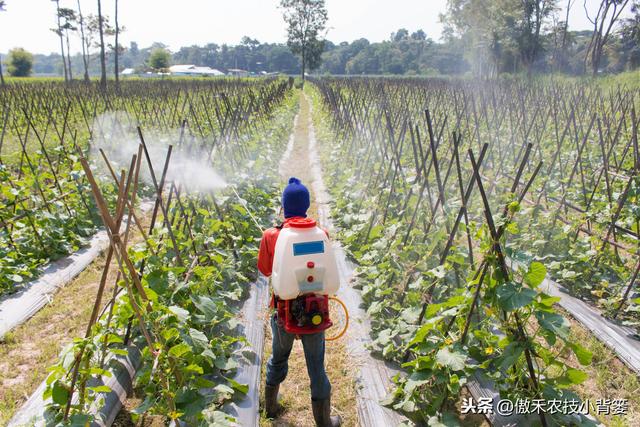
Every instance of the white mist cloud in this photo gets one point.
(190, 166)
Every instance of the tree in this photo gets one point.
(117, 48)
(603, 22)
(159, 59)
(2, 9)
(306, 19)
(401, 34)
(481, 27)
(103, 62)
(58, 31)
(92, 34)
(499, 35)
(560, 37)
(530, 16)
(630, 38)
(19, 62)
(419, 35)
(69, 18)
(85, 53)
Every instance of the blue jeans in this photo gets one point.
(278, 364)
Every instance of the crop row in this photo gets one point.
(177, 292)
(440, 186)
(45, 210)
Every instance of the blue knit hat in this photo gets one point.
(295, 199)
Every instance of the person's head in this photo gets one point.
(295, 199)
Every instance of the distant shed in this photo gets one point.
(236, 72)
(194, 70)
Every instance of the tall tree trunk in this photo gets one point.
(596, 58)
(561, 52)
(64, 62)
(600, 33)
(117, 71)
(103, 62)
(68, 55)
(304, 59)
(2, 82)
(563, 44)
(85, 60)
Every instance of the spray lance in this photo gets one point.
(305, 279)
(244, 204)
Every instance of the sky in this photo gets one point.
(27, 23)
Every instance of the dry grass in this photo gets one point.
(28, 350)
(294, 391)
(608, 378)
(126, 419)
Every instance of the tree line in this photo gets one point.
(482, 38)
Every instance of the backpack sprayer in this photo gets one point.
(305, 278)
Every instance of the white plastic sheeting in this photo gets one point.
(17, 308)
(253, 317)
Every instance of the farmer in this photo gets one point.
(295, 202)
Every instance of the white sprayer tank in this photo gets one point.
(303, 261)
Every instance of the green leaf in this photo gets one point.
(220, 419)
(584, 356)
(79, 420)
(451, 359)
(547, 300)
(207, 306)
(181, 313)
(208, 354)
(242, 388)
(512, 296)
(59, 393)
(223, 391)
(194, 369)
(190, 402)
(201, 382)
(416, 380)
(422, 333)
(100, 389)
(554, 323)
(225, 363)
(376, 232)
(114, 339)
(199, 339)
(158, 281)
(510, 355)
(576, 376)
(169, 334)
(179, 349)
(536, 274)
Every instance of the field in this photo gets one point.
(482, 219)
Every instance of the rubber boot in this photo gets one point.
(322, 414)
(272, 407)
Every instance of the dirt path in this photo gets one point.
(295, 392)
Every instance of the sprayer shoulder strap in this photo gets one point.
(279, 226)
